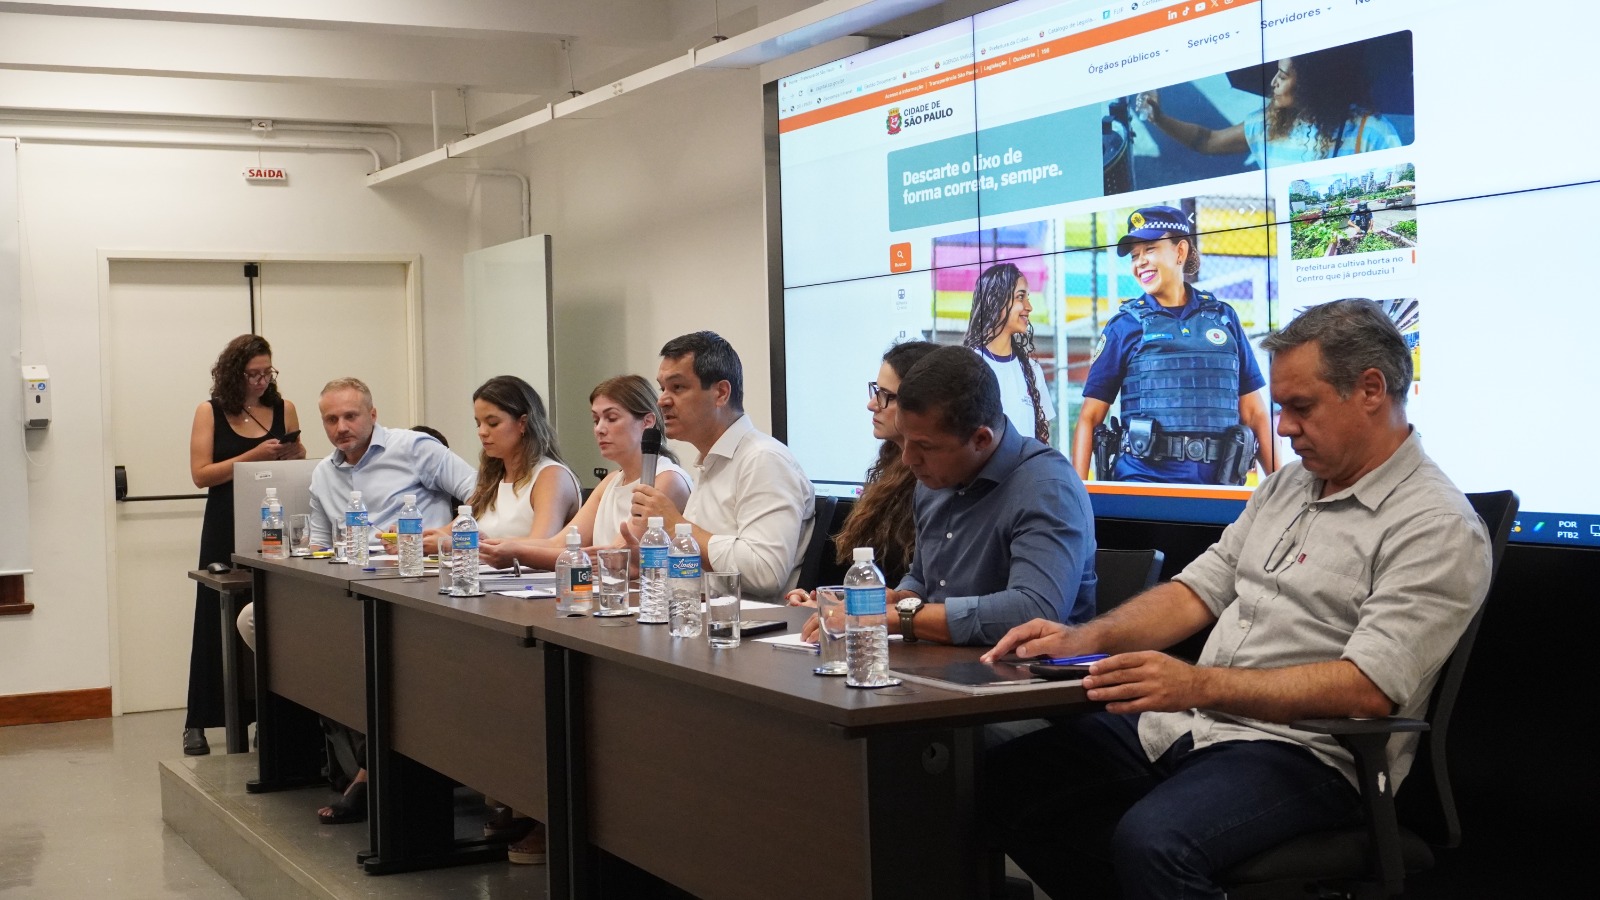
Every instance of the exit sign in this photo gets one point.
(265, 175)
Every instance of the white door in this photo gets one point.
(337, 320)
(168, 322)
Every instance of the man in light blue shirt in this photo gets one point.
(1004, 529)
(384, 464)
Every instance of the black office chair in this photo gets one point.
(821, 539)
(1119, 575)
(1123, 573)
(1372, 860)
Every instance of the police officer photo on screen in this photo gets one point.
(1192, 409)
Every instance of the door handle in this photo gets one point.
(120, 475)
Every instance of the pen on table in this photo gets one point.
(1071, 660)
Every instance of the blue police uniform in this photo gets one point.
(1185, 369)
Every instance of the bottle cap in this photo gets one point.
(863, 554)
(574, 539)
(410, 499)
(272, 492)
(683, 528)
(654, 522)
(355, 495)
(464, 509)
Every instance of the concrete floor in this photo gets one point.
(80, 812)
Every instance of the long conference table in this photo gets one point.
(729, 773)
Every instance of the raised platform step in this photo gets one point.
(271, 845)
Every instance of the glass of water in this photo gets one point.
(830, 614)
(722, 609)
(300, 534)
(341, 542)
(612, 577)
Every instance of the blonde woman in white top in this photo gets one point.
(622, 407)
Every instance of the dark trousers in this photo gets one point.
(1085, 814)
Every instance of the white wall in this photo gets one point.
(78, 201)
(657, 228)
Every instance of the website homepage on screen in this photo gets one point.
(1051, 151)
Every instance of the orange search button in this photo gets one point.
(900, 257)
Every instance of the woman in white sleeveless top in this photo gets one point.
(524, 489)
(622, 407)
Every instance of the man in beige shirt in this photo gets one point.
(1340, 591)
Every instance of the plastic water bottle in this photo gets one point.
(866, 624)
(683, 582)
(574, 577)
(272, 544)
(355, 520)
(272, 495)
(653, 573)
(464, 554)
(409, 538)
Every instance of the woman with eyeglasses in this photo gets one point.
(246, 420)
(881, 517)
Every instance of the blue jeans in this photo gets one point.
(1085, 814)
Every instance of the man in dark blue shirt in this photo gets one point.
(1004, 528)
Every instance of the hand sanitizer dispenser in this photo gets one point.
(35, 397)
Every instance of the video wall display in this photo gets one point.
(1019, 173)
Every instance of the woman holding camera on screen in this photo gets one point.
(1318, 106)
(246, 420)
(999, 330)
(1192, 410)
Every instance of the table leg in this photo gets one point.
(238, 740)
(412, 824)
(290, 752)
(913, 779)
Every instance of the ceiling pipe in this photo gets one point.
(527, 194)
(207, 122)
(47, 137)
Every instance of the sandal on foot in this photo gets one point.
(529, 851)
(352, 807)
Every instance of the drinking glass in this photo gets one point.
(341, 542)
(831, 615)
(613, 577)
(300, 534)
(722, 609)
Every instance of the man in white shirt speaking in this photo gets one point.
(752, 507)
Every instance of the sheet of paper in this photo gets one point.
(534, 594)
(789, 642)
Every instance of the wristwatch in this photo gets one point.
(908, 609)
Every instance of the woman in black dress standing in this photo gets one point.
(242, 422)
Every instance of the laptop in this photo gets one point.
(292, 478)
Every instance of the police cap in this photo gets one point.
(1153, 223)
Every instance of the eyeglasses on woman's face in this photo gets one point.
(880, 396)
(259, 376)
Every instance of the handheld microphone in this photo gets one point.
(650, 443)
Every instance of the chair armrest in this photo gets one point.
(1367, 740)
(1336, 727)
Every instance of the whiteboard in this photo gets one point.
(14, 556)
(508, 306)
